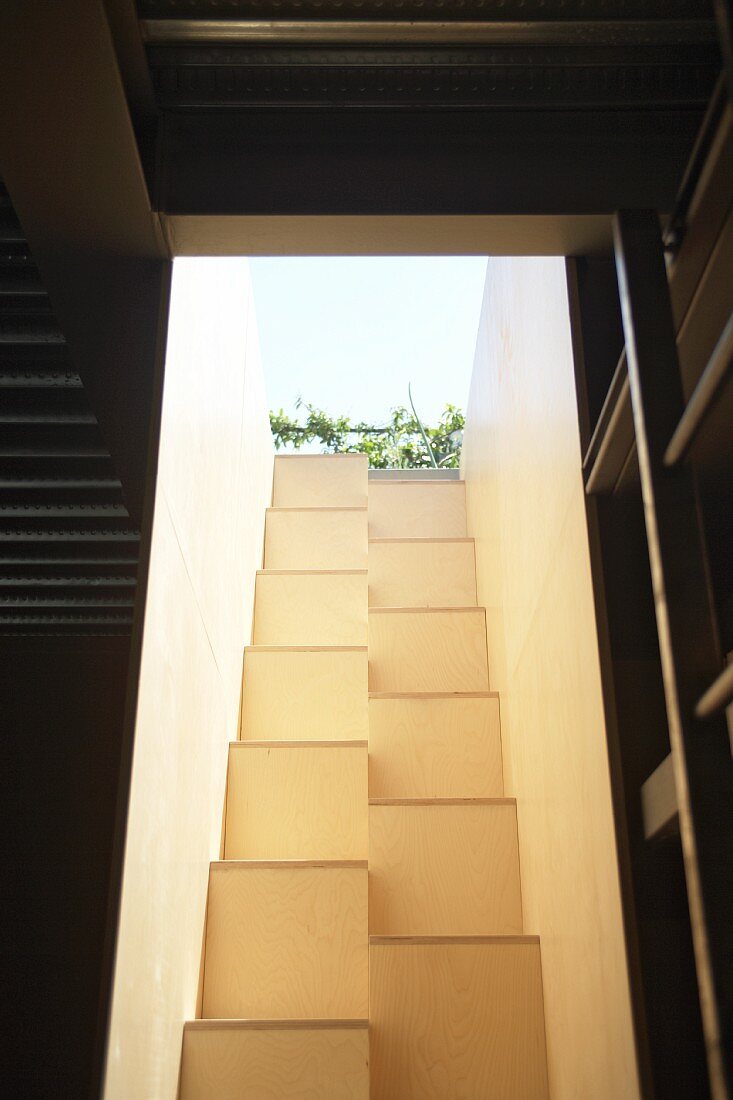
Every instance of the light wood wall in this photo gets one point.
(214, 484)
(522, 468)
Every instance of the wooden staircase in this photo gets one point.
(364, 930)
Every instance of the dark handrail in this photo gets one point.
(613, 436)
(677, 223)
(703, 397)
(718, 695)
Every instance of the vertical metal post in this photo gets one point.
(686, 626)
(724, 18)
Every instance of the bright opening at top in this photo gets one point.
(344, 339)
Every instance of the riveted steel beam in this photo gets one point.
(434, 32)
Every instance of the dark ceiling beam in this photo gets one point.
(724, 20)
(69, 157)
(496, 78)
(126, 34)
(425, 10)
(372, 161)
(621, 32)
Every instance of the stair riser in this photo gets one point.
(305, 695)
(457, 1020)
(236, 1064)
(316, 539)
(327, 609)
(417, 509)
(320, 481)
(413, 574)
(435, 748)
(428, 651)
(444, 870)
(286, 943)
(297, 802)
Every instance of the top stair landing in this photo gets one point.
(320, 481)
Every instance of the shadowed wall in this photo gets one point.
(214, 483)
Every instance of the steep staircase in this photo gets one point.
(364, 931)
(68, 546)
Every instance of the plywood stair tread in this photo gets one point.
(383, 482)
(311, 572)
(321, 508)
(449, 941)
(423, 539)
(306, 648)
(498, 801)
(288, 864)
(433, 694)
(425, 610)
(275, 1025)
(354, 744)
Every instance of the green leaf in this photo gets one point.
(404, 442)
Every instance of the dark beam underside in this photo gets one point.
(542, 77)
(421, 10)
(349, 160)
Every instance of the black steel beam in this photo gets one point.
(420, 10)
(503, 77)
(434, 32)
(384, 161)
(724, 18)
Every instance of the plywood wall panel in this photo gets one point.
(525, 503)
(214, 484)
(216, 452)
(173, 830)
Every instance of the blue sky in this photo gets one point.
(349, 333)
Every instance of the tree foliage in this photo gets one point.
(398, 443)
